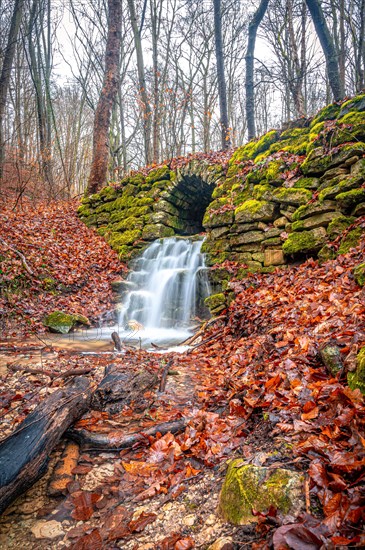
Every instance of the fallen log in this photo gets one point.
(25, 453)
(118, 389)
(116, 440)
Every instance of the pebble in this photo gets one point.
(47, 529)
(189, 520)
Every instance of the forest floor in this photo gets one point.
(254, 387)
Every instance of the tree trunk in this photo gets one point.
(328, 48)
(99, 166)
(226, 142)
(6, 73)
(249, 58)
(146, 109)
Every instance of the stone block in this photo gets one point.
(273, 257)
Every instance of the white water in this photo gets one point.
(168, 283)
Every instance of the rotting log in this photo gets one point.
(25, 453)
(117, 440)
(118, 389)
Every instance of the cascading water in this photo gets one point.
(168, 287)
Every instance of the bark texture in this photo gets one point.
(328, 48)
(222, 91)
(250, 56)
(99, 166)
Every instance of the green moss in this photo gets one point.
(106, 207)
(307, 183)
(350, 199)
(326, 253)
(61, 322)
(329, 112)
(347, 184)
(116, 240)
(292, 196)
(317, 163)
(338, 226)
(305, 241)
(161, 173)
(315, 130)
(355, 104)
(91, 221)
(262, 192)
(109, 193)
(294, 133)
(273, 170)
(311, 209)
(359, 274)
(157, 231)
(84, 210)
(351, 240)
(252, 210)
(357, 379)
(216, 302)
(353, 118)
(254, 148)
(249, 488)
(129, 223)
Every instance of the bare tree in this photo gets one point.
(226, 142)
(99, 166)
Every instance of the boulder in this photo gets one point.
(357, 379)
(248, 487)
(61, 322)
(318, 220)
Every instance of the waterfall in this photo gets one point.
(168, 285)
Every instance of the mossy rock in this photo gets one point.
(317, 162)
(291, 196)
(156, 231)
(315, 130)
(254, 148)
(329, 112)
(106, 207)
(356, 104)
(262, 192)
(91, 221)
(161, 173)
(253, 210)
(216, 303)
(109, 193)
(307, 210)
(116, 240)
(62, 323)
(307, 183)
(357, 379)
(326, 253)
(351, 240)
(218, 219)
(305, 242)
(350, 199)
(249, 488)
(359, 274)
(128, 224)
(248, 237)
(318, 220)
(337, 226)
(84, 210)
(347, 184)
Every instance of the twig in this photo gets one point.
(165, 371)
(307, 497)
(21, 256)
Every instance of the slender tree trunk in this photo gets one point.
(146, 108)
(99, 166)
(226, 142)
(250, 93)
(6, 73)
(328, 48)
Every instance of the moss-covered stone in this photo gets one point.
(61, 322)
(350, 199)
(347, 184)
(307, 183)
(156, 231)
(305, 242)
(357, 379)
(318, 162)
(351, 240)
(248, 488)
(254, 148)
(329, 112)
(307, 210)
(216, 303)
(337, 226)
(359, 274)
(84, 210)
(291, 196)
(253, 210)
(318, 220)
(161, 173)
(326, 253)
(218, 219)
(356, 104)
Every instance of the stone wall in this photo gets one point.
(282, 197)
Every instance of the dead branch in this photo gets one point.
(21, 256)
